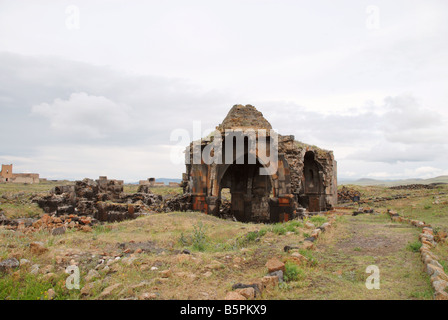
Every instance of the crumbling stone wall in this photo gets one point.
(294, 152)
(104, 200)
(290, 187)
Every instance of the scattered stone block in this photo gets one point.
(38, 248)
(274, 264)
(233, 295)
(8, 265)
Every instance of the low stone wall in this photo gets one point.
(439, 279)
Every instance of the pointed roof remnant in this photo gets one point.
(244, 117)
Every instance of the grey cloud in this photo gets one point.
(42, 96)
(399, 130)
(395, 153)
(406, 121)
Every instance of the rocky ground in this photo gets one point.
(189, 255)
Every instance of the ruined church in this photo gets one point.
(297, 177)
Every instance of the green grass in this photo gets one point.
(414, 246)
(425, 294)
(199, 239)
(422, 205)
(318, 220)
(28, 189)
(293, 272)
(252, 236)
(282, 228)
(33, 287)
(279, 229)
(444, 265)
(312, 261)
(21, 210)
(164, 191)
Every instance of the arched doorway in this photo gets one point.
(312, 183)
(249, 191)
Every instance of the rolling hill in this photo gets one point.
(391, 183)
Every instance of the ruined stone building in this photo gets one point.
(105, 200)
(300, 177)
(6, 175)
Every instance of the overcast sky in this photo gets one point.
(90, 88)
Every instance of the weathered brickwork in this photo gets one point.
(304, 176)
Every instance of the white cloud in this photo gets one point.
(406, 121)
(78, 161)
(83, 114)
(427, 172)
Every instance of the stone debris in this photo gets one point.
(346, 194)
(51, 294)
(108, 291)
(147, 296)
(276, 268)
(414, 187)
(274, 264)
(253, 286)
(37, 248)
(270, 282)
(55, 225)
(104, 200)
(278, 273)
(233, 295)
(362, 210)
(248, 293)
(9, 264)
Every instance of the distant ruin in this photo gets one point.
(6, 175)
(151, 182)
(305, 176)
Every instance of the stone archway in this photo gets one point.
(250, 191)
(313, 188)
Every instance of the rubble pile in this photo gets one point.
(104, 200)
(182, 202)
(348, 194)
(389, 198)
(414, 187)
(84, 198)
(225, 209)
(362, 210)
(55, 225)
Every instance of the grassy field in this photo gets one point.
(361, 241)
(15, 198)
(142, 258)
(222, 253)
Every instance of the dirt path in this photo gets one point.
(357, 242)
